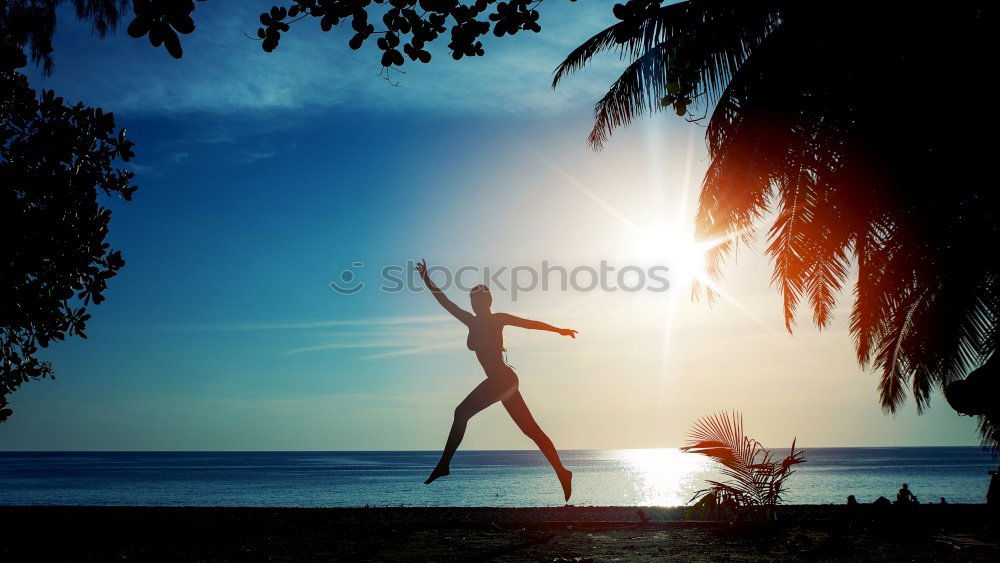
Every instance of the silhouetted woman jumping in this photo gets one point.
(486, 340)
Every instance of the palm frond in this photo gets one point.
(755, 478)
(638, 90)
(868, 312)
(579, 57)
(714, 38)
(658, 25)
(890, 357)
(790, 241)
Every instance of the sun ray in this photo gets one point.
(668, 243)
(692, 256)
(579, 186)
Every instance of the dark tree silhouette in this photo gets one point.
(30, 24)
(418, 21)
(403, 30)
(837, 118)
(403, 27)
(162, 20)
(54, 161)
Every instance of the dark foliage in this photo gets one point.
(403, 27)
(418, 22)
(162, 20)
(55, 160)
(31, 23)
(755, 478)
(977, 395)
(832, 118)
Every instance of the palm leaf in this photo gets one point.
(755, 479)
(715, 38)
(638, 90)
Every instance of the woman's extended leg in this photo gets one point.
(518, 410)
(484, 395)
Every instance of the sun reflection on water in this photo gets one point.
(664, 476)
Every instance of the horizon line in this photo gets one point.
(980, 447)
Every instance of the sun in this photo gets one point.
(660, 235)
(674, 248)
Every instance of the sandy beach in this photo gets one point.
(928, 532)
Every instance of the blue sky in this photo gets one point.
(262, 177)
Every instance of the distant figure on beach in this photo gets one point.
(993, 493)
(905, 496)
(486, 340)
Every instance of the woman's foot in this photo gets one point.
(566, 480)
(438, 472)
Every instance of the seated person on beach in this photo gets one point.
(905, 496)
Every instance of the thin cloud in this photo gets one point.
(413, 350)
(253, 156)
(343, 346)
(302, 325)
(398, 339)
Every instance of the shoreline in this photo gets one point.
(938, 532)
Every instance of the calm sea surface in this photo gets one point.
(478, 478)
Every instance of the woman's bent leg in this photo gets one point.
(518, 411)
(484, 395)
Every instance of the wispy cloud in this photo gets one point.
(397, 339)
(252, 156)
(297, 325)
(407, 336)
(412, 350)
(139, 168)
(402, 335)
(397, 348)
(345, 346)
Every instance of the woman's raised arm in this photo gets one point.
(456, 311)
(535, 325)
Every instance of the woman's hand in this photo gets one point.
(422, 269)
(567, 332)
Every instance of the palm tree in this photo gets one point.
(856, 129)
(755, 478)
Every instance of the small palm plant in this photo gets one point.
(756, 479)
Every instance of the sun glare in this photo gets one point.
(664, 477)
(678, 251)
(668, 240)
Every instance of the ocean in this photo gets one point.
(654, 477)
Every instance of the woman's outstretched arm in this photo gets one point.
(536, 325)
(455, 310)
